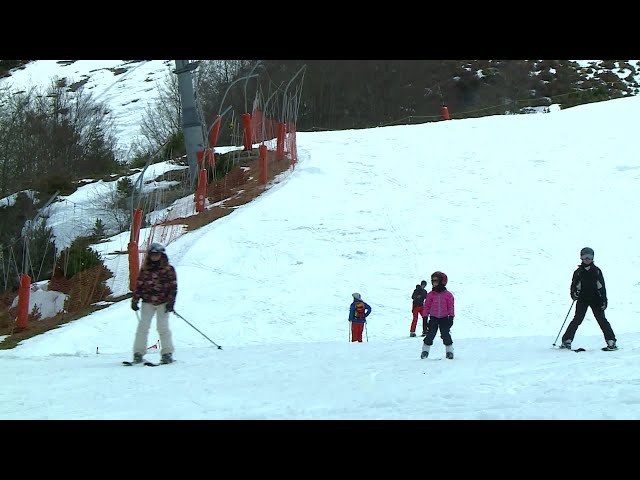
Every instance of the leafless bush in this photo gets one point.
(51, 132)
(162, 119)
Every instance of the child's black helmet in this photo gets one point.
(586, 251)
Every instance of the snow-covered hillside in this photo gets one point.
(127, 87)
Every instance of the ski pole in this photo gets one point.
(177, 314)
(565, 319)
(365, 330)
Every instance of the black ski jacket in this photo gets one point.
(588, 284)
(419, 295)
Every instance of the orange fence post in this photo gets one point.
(280, 145)
(268, 128)
(291, 143)
(23, 302)
(294, 150)
(256, 126)
(263, 164)
(246, 124)
(134, 264)
(132, 249)
(137, 223)
(201, 191)
(445, 113)
(200, 157)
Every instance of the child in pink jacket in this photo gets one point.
(439, 307)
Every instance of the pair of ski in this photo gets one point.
(145, 363)
(604, 349)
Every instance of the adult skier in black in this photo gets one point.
(588, 290)
(419, 295)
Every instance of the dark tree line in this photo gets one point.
(340, 94)
(60, 133)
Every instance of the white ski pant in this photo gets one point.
(147, 310)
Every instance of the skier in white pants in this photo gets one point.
(157, 286)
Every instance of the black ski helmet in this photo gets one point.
(442, 276)
(586, 251)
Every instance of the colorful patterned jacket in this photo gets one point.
(157, 282)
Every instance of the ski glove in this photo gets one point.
(575, 294)
(604, 305)
(168, 307)
(450, 318)
(134, 305)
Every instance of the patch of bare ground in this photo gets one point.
(240, 186)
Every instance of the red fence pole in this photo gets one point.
(23, 302)
(280, 145)
(132, 249)
(268, 128)
(263, 164)
(445, 113)
(293, 147)
(134, 264)
(256, 126)
(201, 191)
(246, 123)
(137, 223)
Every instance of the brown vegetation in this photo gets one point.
(238, 187)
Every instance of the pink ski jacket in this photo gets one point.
(439, 304)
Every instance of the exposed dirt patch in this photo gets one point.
(74, 87)
(118, 71)
(240, 186)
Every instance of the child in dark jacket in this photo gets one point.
(588, 290)
(358, 313)
(439, 306)
(419, 295)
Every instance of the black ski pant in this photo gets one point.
(581, 310)
(444, 324)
